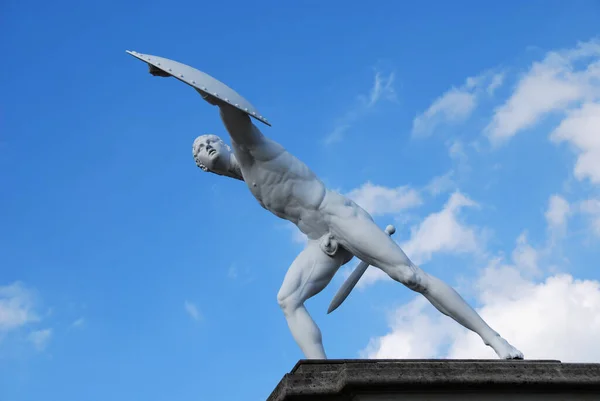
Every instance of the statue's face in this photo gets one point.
(211, 154)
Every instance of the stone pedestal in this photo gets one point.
(387, 380)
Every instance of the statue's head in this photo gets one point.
(212, 154)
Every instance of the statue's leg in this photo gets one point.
(360, 235)
(308, 275)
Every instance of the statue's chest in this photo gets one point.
(270, 175)
(269, 187)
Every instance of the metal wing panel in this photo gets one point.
(201, 81)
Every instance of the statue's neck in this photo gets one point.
(234, 169)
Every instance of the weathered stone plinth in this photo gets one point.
(387, 380)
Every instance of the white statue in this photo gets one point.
(337, 228)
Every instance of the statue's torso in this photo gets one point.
(284, 185)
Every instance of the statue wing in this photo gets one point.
(199, 80)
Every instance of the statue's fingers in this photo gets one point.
(157, 72)
(208, 97)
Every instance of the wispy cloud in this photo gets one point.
(457, 151)
(441, 184)
(40, 338)
(338, 132)
(382, 89)
(557, 213)
(242, 274)
(591, 209)
(192, 310)
(78, 323)
(495, 83)
(232, 272)
(455, 105)
(17, 306)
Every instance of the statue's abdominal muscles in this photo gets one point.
(289, 189)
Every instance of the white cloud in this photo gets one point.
(557, 213)
(40, 338)
(557, 318)
(380, 200)
(552, 85)
(16, 307)
(581, 128)
(383, 88)
(444, 232)
(455, 105)
(192, 310)
(414, 334)
(78, 323)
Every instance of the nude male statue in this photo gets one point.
(337, 230)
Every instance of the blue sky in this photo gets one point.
(127, 272)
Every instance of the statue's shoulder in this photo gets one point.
(266, 150)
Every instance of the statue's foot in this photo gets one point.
(504, 349)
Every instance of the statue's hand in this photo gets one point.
(209, 98)
(157, 72)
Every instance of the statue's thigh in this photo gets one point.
(365, 240)
(309, 274)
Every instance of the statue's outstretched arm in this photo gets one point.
(239, 124)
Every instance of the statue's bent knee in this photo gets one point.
(283, 302)
(415, 281)
(287, 303)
